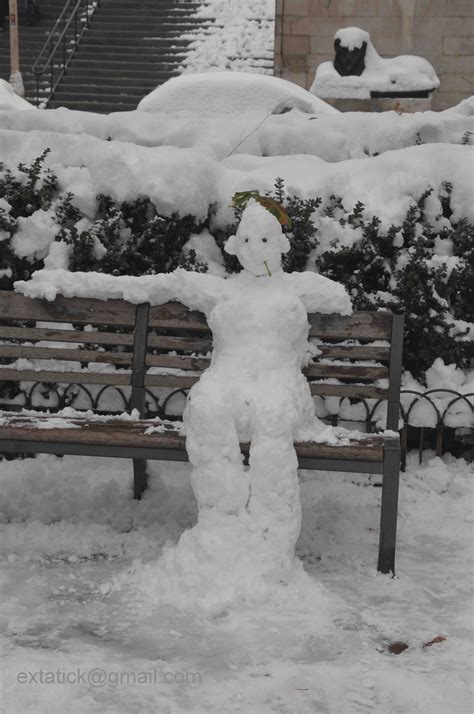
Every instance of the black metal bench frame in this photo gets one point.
(17, 436)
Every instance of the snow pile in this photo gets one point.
(441, 404)
(9, 99)
(398, 74)
(241, 37)
(254, 391)
(465, 107)
(231, 93)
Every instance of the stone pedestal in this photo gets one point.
(405, 105)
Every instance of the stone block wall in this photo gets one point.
(441, 31)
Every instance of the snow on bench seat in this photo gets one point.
(156, 436)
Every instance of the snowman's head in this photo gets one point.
(259, 242)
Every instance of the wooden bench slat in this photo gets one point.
(193, 363)
(61, 353)
(352, 391)
(361, 325)
(132, 433)
(82, 310)
(189, 344)
(30, 375)
(32, 334)
(352, 371)
(174, 315)
(365, 352)
(196, 364)
(170, 380)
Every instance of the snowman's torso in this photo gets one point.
(260, 328)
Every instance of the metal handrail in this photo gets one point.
(56, 41)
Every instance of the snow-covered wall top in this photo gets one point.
(188, 182)
(406, 73)
(333, 138)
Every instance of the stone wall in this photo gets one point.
(441, 31)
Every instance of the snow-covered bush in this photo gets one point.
(423, 266)
(41, 226)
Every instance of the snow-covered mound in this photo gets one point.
(404, 73)
(217, 93)
(465, 107)
(10, 100)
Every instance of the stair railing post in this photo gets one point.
(16, 80)
(64, 44)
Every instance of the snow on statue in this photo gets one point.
(254, 391)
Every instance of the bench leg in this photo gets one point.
(140, 478)
(389, 510)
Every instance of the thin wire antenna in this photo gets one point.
(253, 130)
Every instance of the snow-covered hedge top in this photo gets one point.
(187, 182)
(404, 73)
(333, 138)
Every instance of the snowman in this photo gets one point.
(254, 391)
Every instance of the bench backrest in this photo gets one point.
(350, 364)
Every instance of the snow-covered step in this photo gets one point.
(100, 107)
(110, 76)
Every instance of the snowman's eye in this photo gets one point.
(246, 240)
(264, 240)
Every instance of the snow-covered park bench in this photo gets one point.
(356, 352)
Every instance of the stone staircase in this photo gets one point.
(31, 41)
(129, 49)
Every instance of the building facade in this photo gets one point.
(441, 31)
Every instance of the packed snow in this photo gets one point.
(231, 93)
(9, 99)
(396, 74)
(75, 545)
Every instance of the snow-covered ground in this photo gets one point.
(70, 530)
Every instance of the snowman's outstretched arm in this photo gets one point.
(320, 294)
(197, 291)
